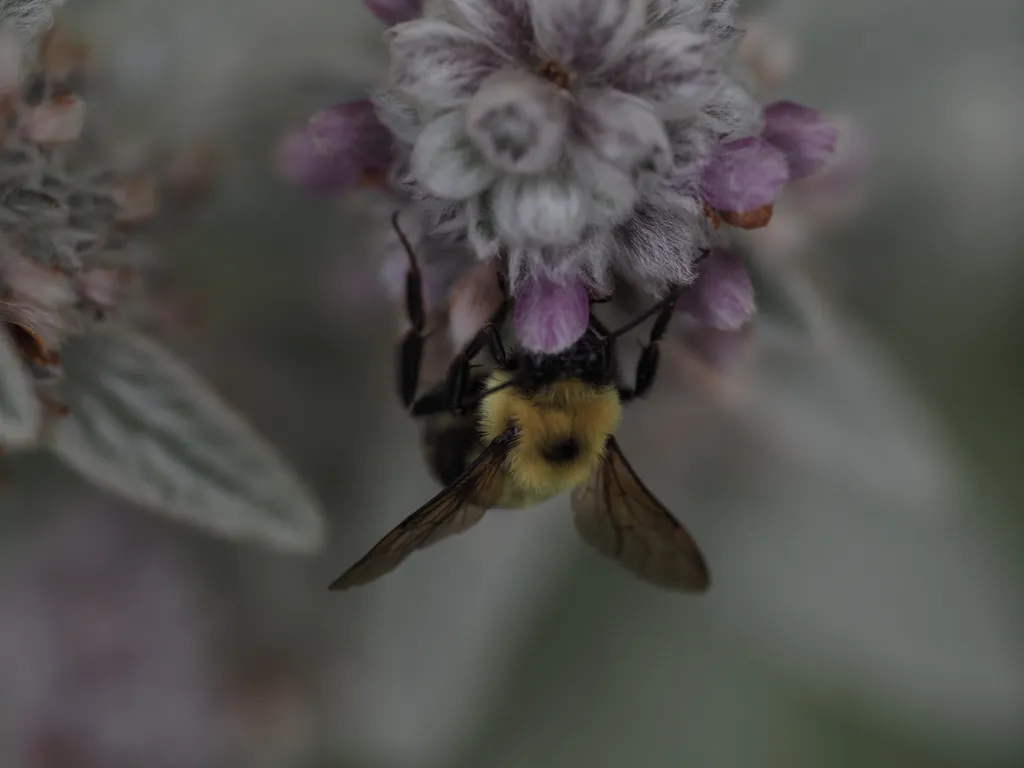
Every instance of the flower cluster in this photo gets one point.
(68, 253)
(584, 144)
(113, 405)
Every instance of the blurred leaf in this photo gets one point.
(146, 427)
(19, 408)
(785, 295)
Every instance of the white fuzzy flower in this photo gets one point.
(551, 123)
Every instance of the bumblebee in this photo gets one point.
(529, 429)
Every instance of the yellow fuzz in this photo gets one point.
(565, 409)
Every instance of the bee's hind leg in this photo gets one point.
(410, 349)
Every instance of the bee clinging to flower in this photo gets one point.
(534, 426)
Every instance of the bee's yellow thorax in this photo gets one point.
(562, 434)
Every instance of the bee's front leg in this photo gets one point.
(457, 383)
(650, 356)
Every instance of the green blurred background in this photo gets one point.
(863, 526)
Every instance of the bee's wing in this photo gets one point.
(458, 507)
(616, 514)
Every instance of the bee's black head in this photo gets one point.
(591, 359)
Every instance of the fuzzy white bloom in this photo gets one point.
(562, 129)
(583, 144)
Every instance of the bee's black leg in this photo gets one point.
(410, 350)
(432, 403)
(647, 367)
(452, 397)
(598, 326)
(458, 379)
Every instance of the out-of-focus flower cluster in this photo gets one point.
(113, 405)
(68, 252)
(27, 17)
(581, 143)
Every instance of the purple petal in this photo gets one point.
(336, 146)
(744, 174)
(550, 317)
(584, 35)
(807, 139)
(722, 296)
(393, 12)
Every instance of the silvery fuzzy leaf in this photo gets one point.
(519, 121)
(439, 64)
(445, 161)
(624, 130)
(20, 414)
(583, 35)
(144, 426)
(785, 295)
(550, 209)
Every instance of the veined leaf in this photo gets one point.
(144, 426)
(20, 412)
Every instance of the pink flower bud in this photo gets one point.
(550, 317)
(722, 297)
(744, 175)
(335, 149)
(807, 139)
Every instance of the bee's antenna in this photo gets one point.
(639, 319)
(672, 297)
